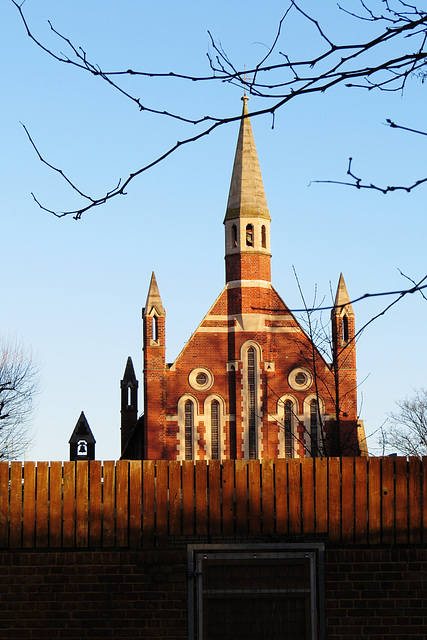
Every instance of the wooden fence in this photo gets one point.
(132, 504)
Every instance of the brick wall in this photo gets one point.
(380, 594)
(374, 593)
(93, 594)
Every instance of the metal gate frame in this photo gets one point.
(198, 552)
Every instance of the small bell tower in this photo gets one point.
(82, 442)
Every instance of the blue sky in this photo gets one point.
(74, 290)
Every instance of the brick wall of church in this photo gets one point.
(244, 266)
(281, 353)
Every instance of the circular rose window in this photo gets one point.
(201, 379)
(300, 379)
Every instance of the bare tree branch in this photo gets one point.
(358, 181)
(18, 388)
(408, 426)
(277, 78)
(418, 286)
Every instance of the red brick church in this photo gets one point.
(249, 383)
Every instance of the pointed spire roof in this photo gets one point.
(82, 431)
(154, 299)
(342, 299)
(247, 196)
(129, 374)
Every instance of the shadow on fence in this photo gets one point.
(134, 504)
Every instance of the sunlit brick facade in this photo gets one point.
(249, 383)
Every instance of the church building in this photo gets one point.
(249, 383)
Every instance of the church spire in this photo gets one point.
(154, 339)
(344, 367)
(342, 304)
(154, 302)
(247, 196)
(129, 403)
(247, 220)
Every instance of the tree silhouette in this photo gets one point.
(407, 431)
(18, 388)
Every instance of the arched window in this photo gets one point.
(129, 395)
(234, 236)
(215, 430)
(251, 404)
(345, 328)
(263, 237)
(314, 427)
(288, 428)
(249, 235)
(188, 412)
(155, 335)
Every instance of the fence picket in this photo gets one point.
(42, 504)
(175, 497)
(241, 496)
(162, 500)
(401, 506)
(135, 503)
(374, 497)
(122, 503)
(69, 504)
(187, 497)
(334, 499)
(307, 480)
(254, 479)
(15, 504)
(294, 476)
(148, 514)
(361, 500)
(267, 479)
(95, 503)
(347, 500)
(321, 488)
(55, 503)
(29, 523)
(415, 522)
(214, 478)
(387, 501)
(228, 496)
(281, 481)
(108, 504)
(82, 503)
(201, 480)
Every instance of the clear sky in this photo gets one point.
(73, 291)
